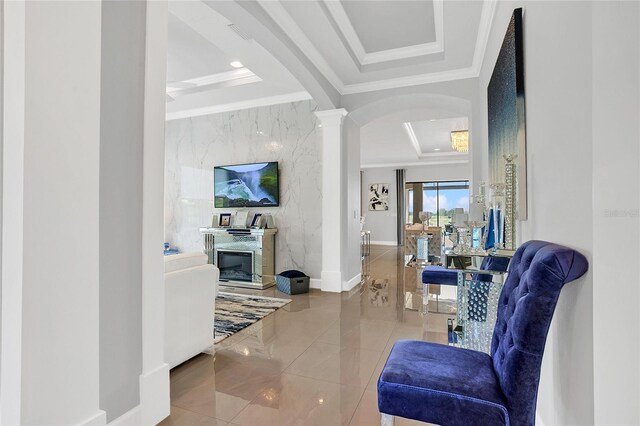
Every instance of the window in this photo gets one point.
(408, 196)
(440, 199)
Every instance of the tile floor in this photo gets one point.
(314, 362)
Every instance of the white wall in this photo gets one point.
(76, 126)
(557, 46)
(195, 145)
(351, 221)
(581, 85)
(60, 287)
(616, 154)
(1, 154)
(121, 162)
(439, 172)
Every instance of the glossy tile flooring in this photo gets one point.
(314, 362)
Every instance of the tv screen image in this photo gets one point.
(246, 185)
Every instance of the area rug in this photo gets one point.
(237, 311)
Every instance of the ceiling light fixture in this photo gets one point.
(460, 140)
(436, 149)
(236, 64)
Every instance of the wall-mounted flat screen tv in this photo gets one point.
(246, 185)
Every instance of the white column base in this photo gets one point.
(331, 281)
(315, 283)
(348, 285)
(130, 418)
(155, 402)
(100, 418)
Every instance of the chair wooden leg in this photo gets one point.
(386, 419)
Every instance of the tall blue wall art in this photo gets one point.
(506, 112)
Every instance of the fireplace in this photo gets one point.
(235, 265)
(245, 257)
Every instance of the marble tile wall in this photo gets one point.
(287, 133)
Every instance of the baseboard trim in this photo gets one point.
(100, 418)
(155, 399)
(348, 285)
(384, 243)
(315, 283)
(130, 418)
(331, 281)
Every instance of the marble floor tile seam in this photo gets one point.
(243, 406)
(373, 258)
(383, 354)
(255, 399)
(364, 388)
(363, 383)
(373, 373)
(200, 414)
(292, 361)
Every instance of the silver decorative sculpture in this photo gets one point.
(510, 202)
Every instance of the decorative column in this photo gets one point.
(332, 187)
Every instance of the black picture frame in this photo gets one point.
(225, 220)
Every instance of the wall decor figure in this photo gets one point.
(379, 196)
(506, 111)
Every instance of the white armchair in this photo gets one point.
(191, 286)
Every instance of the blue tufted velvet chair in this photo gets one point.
(454, 386)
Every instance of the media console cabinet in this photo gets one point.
(245, 257)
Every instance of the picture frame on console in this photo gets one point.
(256, 222)
(225, 220)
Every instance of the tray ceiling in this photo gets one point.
(361, 46)
(200, 77)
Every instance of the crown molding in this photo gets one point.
(413, 138)
(235, 106)
(229, 78)
(343, 22)
(295, 33)
(277, 12)
(222, 77)
(412, 80)
(484, 30)
(415, 163)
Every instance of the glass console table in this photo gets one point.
(478, 292)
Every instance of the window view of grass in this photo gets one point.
(440, 199)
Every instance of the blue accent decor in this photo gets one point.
(490, 234)
(446, 385)
(434, 274)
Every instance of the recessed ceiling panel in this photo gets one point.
(384, 25)
(190, 55)
(435, 135)
(386, 140)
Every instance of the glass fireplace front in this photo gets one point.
(235, 265)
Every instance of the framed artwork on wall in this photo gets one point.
(379, 196)
(506, 112)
